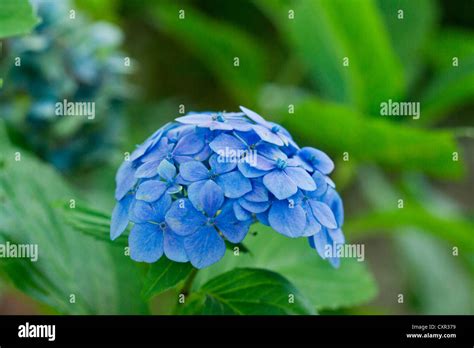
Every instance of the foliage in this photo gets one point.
(16, 18)
(324, 286)
(293, 69)
(398, 147)
(248, 291)
(69, 263)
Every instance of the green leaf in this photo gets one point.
(322, 33)
(16, 18)
(99, 9)
(340, 129)
(102, 279)
(324, 286)
(423, 209)
(451, 43)
(410, 35)
(449, 90)
(451, 86)
(457, 231)
(248, 291)
(216, 44)
(164, 275)
(91, 222)
(431, 271)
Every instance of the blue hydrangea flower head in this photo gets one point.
(77, 61)
(201, 181)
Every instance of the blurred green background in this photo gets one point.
(290, 68)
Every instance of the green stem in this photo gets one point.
(186, 289)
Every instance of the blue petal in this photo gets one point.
(120, 217)
(240, 213)
(258, 194)
(312, 225)
(301, 178)
(325, 247)
(318, 159)
(278, 183)
(260, 162)
(240, 125)
(221, 164)
(216, 125)
(141, 150)
(166, 170)
(299, 162)
(211, 198)
(146, 243)
(283, 134)
(125, 179)
(173, 189)
(249, 138)
(284, 138)
(263, 218)
(271, 152)
(195, 119)
(323, 214)
(321, 242)
(254, 207)
(204, 247)
(141, 211)
(189, 145)
(179, 132)
(203, 154)
(330, 182)
(254, 116)
(335, 261)
(150, 191)
(297, 198)
(234, 115)
(234, 230)
(290, 222)
(193, 171)
(151, 141)
(174, 247)
(234, 184)
(194, 191)
(183, 159)
(183, 218)
(148, 169)
(267, 135)
(321, 185)
(311, 242)
(180, 180)
(336, 236)
(334, 201)
(158, 152)
(160, 207)
(224, 142)
(249, 171)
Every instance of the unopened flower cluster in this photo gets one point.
(66, 57)
(200, 182)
